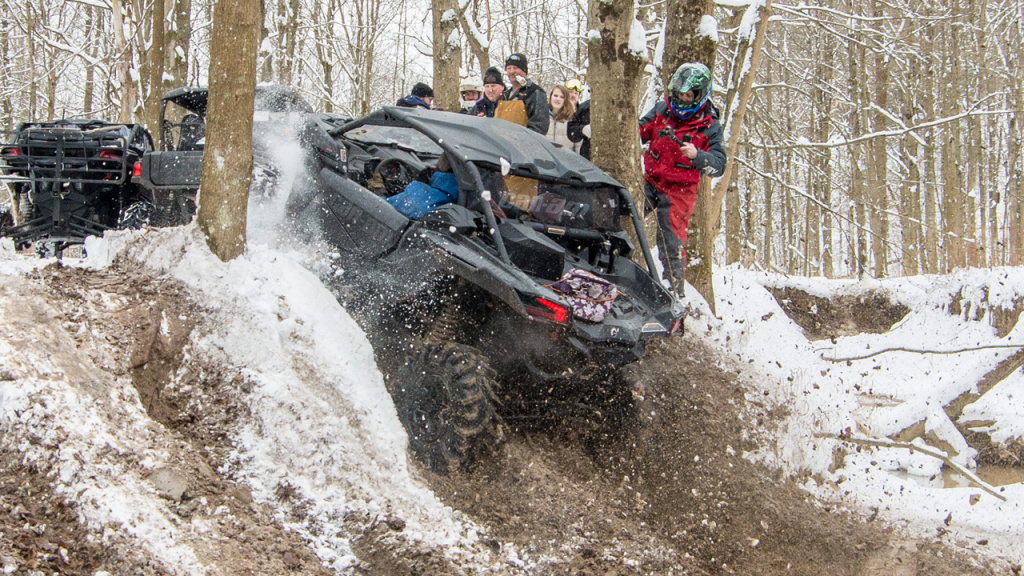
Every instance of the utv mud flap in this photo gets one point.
(356, 220)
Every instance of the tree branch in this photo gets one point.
(915, 448)
(922, 351)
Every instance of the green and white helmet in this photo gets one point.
(692, 76)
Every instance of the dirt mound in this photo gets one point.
(670, 494)
(843, 315)
(673, 494)
(142, 323)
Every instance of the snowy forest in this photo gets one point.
(880, 138)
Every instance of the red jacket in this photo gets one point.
(664, 161)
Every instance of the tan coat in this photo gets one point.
(557, 133)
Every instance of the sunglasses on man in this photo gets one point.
(574, 85)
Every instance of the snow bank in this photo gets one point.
(875, 395)
(322, 421)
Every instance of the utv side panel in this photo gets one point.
(164, 170)
(356, 220)
(533, 252)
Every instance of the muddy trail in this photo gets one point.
(669, 494)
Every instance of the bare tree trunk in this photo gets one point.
(287, 29)
(180, 42)
(954, 220)
(124, 60)
(733, 225)
(733, 214)
(91, 25)
(769, 212)
(615, 73)
(227, 162)
(265, 55)
(6, 105)
(156, 71)
(858, 195)
(447, 54)
(978, 200)
(324, 52)
(30, 28)
(478, 45)
(1014, 194)
(51, 83)
(910, 193)
(878, 162)
(819, 231)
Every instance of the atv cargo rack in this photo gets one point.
(68, 179)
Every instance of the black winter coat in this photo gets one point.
(484, 107)
(580, 118)
(536, 102)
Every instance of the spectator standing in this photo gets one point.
(562, 110)
(578, 129)
(493, 90)
(469, 93)
(422, 96)
(685, 140)
(575, 90)
(526, 103)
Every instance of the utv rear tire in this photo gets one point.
(446, 401)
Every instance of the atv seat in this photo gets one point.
(192, 131)
(357, 220)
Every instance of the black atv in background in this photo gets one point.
(171, 174)
(460, 305)
(70, 179)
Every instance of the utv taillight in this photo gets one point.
(10, 152)
(137, 170)
(675, 327)
(549, 310)
(109, 155)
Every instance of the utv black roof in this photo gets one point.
(488, 141)
(269, 97)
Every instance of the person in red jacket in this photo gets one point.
(684, 140)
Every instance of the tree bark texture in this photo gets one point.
(156, 71)
(614, 75)
(123, 55)
(227, 161)
(447, 54)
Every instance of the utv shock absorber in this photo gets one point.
(445, 326)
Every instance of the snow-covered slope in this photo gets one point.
(322, 423)
(863, 388)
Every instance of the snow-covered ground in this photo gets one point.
(860, 388)
(323, 424)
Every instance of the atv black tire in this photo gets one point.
(136, 216)
(446, 400)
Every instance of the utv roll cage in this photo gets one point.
(471, 142)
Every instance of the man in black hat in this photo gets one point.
(422, 96)
(534, 99)
(493, 88)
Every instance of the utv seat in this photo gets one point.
(193, 129)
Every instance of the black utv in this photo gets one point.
(70, 179)
(464, 306)
(281, 114)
